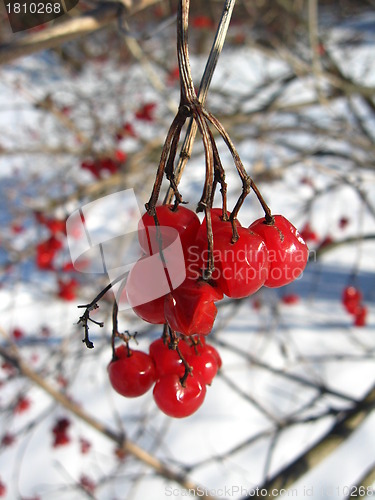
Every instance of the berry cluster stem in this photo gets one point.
(191, 106)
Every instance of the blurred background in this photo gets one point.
(85, 105)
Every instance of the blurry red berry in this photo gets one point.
(17, 334)
(22, 405)
(308, 234)
(290, 298)
(146, 112)
(360, 316)
(351, 298)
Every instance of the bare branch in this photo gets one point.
(67, 31)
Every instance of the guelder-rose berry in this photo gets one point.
(183, 220)
(290, 299)
(3, 489)
(360, 316)
(191, 309)
(131, 373)
(176, 400)
(351, 298)
(151, 311)
(241, 267)
(166, 360)
(287, 251)
(217, 223)
(205, 364)
(202, 346)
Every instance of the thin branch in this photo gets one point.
(343, 427)
(54, 36)
(213, 58)
(125, 445)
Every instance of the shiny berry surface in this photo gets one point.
(166, 360)
(360, 316)
(147, 281)
(205, 364)
(191, 309)
(241, 268)
(351, 298)
(176, 400)
(204, 347)
(183, 220)
(131, 375)
(152, 312)
(287, 251)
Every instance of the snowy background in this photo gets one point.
(291, 368)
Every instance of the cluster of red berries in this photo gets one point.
(110, 165)
(48, 250)
(270, 253)
(179, 373)
(352, 301)
(60, 432)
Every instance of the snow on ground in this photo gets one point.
(274, 354)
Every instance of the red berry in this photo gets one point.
(202, 22)
(152, 312)
(61, 425)
(173, 75)
(17, 333)
(217, 223)
(308, 234)
(87, 484)
(166, 360)
(120, 155)
(343, 222)
(190, 308)
(56, 226)
(146, 112)
(22, 405)
(3, 489)
(131, 373)
(145, 281)
(176, 400)
(291, 298)
(8, 439)
(129, 130)
(328, 240)
(287, 251)
(85, 445)
(46, 251)
(360, 316)
(92, 166)
(211, 349)
(108, 164)
(67, 289)
(182, 219)
(59, 431)
(351, 298)
(241, 268)
(61, 439)
(201, 347)
(205, 364)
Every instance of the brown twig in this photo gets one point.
(125, 445)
